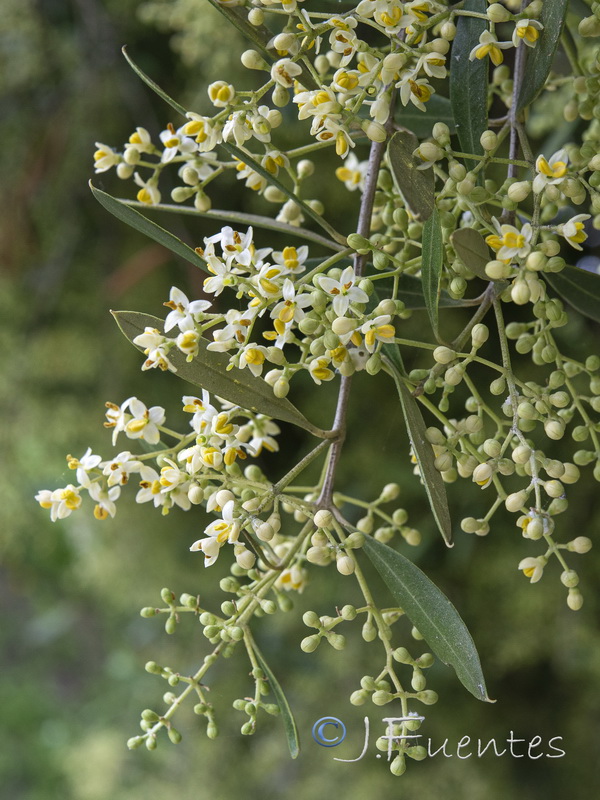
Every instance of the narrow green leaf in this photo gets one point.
(289, 724)
(248, 159)
(432, 257)
(423, 451)
(154, 86)
(209, 370)
(540, 58)
(468, 82)
(472, 250)
(580, 288)
(141, 223)
(415, 185)
(437, 109)
(430, 611)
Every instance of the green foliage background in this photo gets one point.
(72, 643)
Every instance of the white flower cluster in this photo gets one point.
(195, 471)
(319, 326)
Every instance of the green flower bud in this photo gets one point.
(569, 578)
(444, 355)
(174, 735)
(355, 541)
(574, 599)
(497, 13)
(359, 243)
(515, 501)
(135, 742)
(580, 545)
(310, 643)
(359, 697)
(336, 640)
(211, 730)
(398, 766)
(418, 681)
(381, 698)
(554, 429)
(428, 697)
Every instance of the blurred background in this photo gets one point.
(73, 645)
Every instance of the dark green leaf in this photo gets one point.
(291, 732)
(580, 288)
(472, 250)
(432, 257)
(430, 611)
(209, 370)
(141, 223)
(437, 109)
(468, 82)
(247, 158)
(423, 451)
(415, 185)
(154, 86)
(540, 58)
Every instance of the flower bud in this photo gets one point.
(444, 355)
(569, 578)
(448, 31)
(195, 494)
(489, 140)
(281, 387)
(574, 599)
(480, 334)
(554, 429)
(251, 59)
(515, 501)
(374, 130)
(323, 518)
(519, 191)
(345, 565)
(554, 488)
(497, 13)
(580, 545)
(310, 643)
(535, 529)
(520, 293)
(359, 243)
(389, 492)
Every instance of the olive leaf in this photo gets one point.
(468, 82)
(540, 58)
(580, 288)
(154, 86)
(289, 724)
(472, 250)
(432, 257)
(415, 185)
(432, 613)
(141, 223)
(209, 370)
(422, 449)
